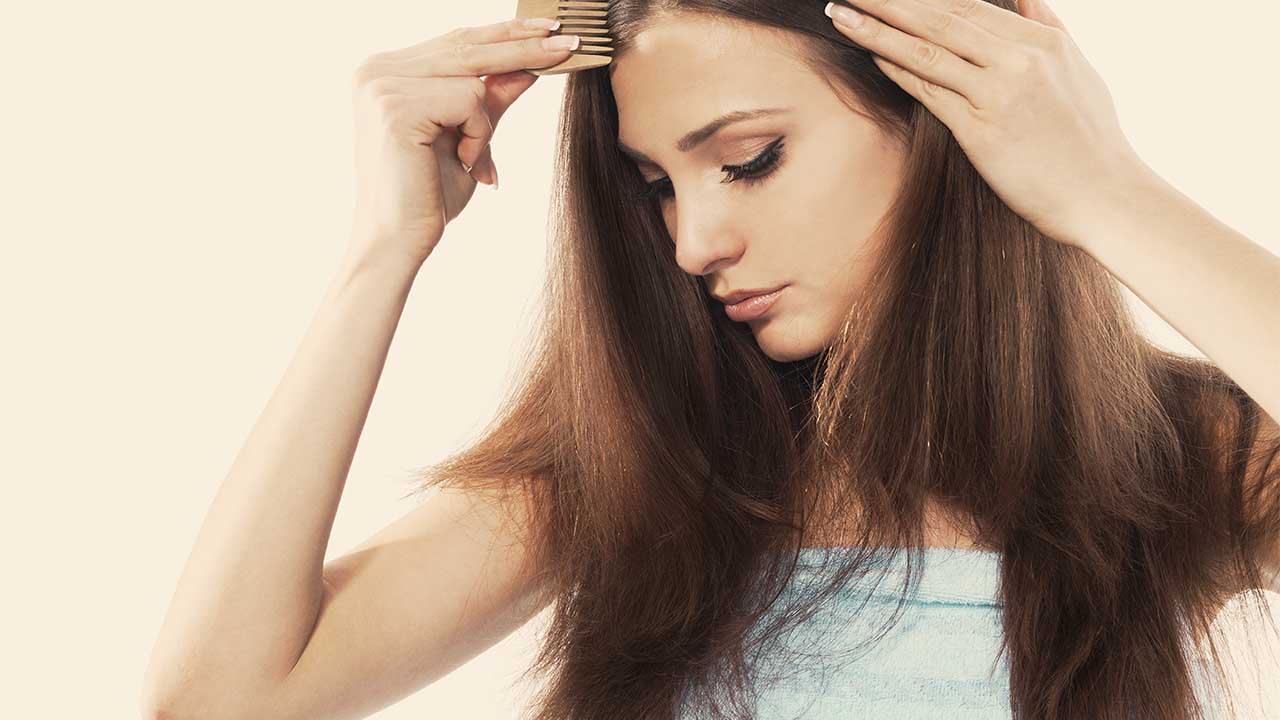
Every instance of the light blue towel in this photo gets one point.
(939, 660)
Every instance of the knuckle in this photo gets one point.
(388, 106)
(380, 86)
(358, 77)
(368, 70)
(1056, 40)
(464, 55)
(925, 53)
(1022, 62)
(389, 115)
(1038, 59)
(982, 100)
(940, 22)
(964, 8)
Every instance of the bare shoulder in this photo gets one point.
(414, 601)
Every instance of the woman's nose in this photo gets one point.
(706, 239)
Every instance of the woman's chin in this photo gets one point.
(784, 339)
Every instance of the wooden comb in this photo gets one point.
(586, 18)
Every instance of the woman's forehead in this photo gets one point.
(681, 74)
(694, 49)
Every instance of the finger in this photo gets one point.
(995, 20)
(426, 114)
(949, 107)
(486, 59)
(476, 130)
(500, 90)
(923, 58)
(943, 28)
(488, 172)
(515, 29)
(503, 89)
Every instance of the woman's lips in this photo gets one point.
(752, 307)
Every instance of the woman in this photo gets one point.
(949, 370)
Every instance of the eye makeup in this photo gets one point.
(755, 170)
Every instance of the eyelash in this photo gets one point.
(756, 170)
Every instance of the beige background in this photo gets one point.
(177, 189)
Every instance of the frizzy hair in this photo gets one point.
(670, 470)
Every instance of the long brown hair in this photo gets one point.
(673, 470)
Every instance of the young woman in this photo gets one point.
(942, 392)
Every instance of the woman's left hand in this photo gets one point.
(1032, 115)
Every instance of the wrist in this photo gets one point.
(376, 245)
(1128, 193)
(381, 261)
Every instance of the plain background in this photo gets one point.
(177, 189)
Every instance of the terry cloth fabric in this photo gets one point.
(939, 659)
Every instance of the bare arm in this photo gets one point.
(254, 592)
(251, 589)
(1215, 286)
(418, 599)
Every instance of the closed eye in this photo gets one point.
(753, 171)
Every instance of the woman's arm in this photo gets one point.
(1216, 287)
(248, 597)
(1212, 284)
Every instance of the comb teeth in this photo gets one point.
(587, 19)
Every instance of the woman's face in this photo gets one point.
(788, 197)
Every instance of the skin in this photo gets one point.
(810, 224)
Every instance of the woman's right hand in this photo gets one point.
(424, 116)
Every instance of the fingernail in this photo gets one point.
(843, 14)
(486, 172)
(560, 42)
(541, 23)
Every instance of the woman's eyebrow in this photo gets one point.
(695, 138)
